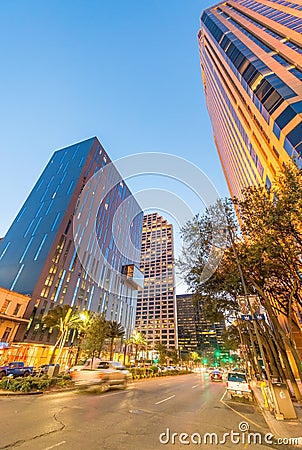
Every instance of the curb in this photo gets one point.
(12, 393)
(9, 393)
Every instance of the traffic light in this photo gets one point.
(205, 361)
(217, 353)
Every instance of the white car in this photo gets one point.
(106, 375)
(237, 385)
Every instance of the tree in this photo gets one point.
(231, 337)
(115, 331)
(96, 335)
(162, 350)
(82, 327)
(195, 357)
(127, 342)
(139, 342)
(173, 355)
(63, 318)
(266, 255)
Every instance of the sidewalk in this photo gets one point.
(281, 428)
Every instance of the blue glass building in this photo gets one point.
(70, 245)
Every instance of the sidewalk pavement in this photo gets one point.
(281, 428)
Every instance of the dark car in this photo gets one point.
(216, 375)
(43, 370)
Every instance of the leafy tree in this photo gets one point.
(173, 355)
(115, 331)
(96, 335)
(272, 265)
(231, 338)
(127, 342)
(82, 327)
(162, 350)
(266, 256)
(63, 318)
(195, 357)
(139, 341)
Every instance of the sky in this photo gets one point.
(126, 71)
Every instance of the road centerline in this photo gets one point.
(164, 400)
(55, 445)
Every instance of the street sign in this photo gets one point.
(246, 317)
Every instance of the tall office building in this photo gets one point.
(156, 304)
(251, 60)
(195, 334)
(62, 247)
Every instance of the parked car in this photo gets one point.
(43, 370)
(216, 375)
(106, 375)
(15, 369)
(237, 385)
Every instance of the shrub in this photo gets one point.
(28, 384)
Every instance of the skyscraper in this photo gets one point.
(195, 334)
(69, 245)
(251, 60)
(156, 304)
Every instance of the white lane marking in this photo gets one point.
(116, 393)
(55, 445)
(164, 400)
(193, 387)
(239, 414)
(223, 396)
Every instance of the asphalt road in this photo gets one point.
(134, 418)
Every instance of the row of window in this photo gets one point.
(283, 39)
(292, 22)
(6, 305)
(281, 59)
(268, 87)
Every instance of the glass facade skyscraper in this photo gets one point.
(195, 334)
(53, 255)
(251, 60)
(156, 303)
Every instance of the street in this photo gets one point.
(133, 418)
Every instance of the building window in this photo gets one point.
(6, 334)
(5, 306)
(295, 136)
(285, 117)
(17, 309)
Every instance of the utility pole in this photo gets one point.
(269, 379)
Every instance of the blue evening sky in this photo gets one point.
(126, 71)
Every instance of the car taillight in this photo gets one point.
(227, 383)
(100, 375)
(249, 387)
